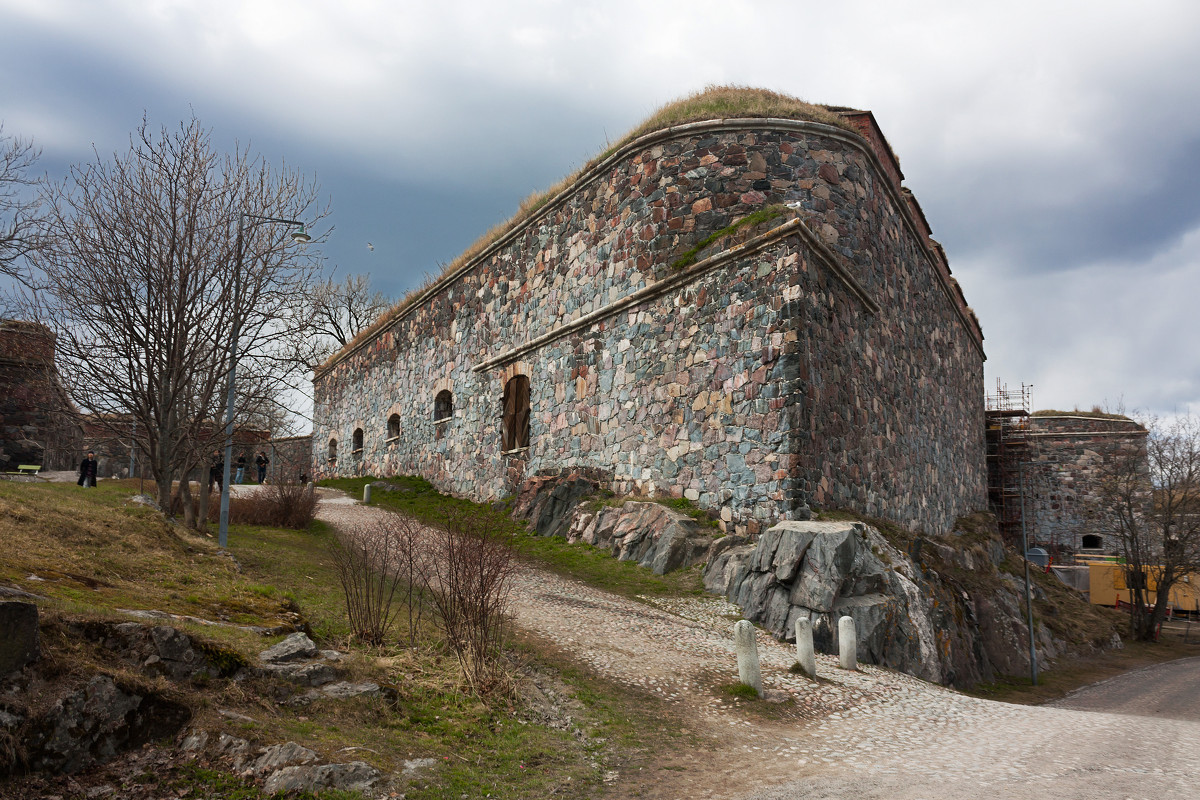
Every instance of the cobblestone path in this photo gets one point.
(866, 734)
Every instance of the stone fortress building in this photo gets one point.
(1067, 455)
(746, 312)
(38, 423)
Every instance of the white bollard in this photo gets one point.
(744, 642)
(805, 655)
(847, 643)
(367, 493)
(310, 485)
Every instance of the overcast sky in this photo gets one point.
(1055, 146)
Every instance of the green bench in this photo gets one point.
(26, 469)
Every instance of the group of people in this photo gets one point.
(216, 472)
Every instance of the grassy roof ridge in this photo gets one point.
(713, 103)
(1095, 413)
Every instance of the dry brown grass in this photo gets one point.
(91, 549)
(714, 102)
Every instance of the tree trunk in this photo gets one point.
(204, 490)
(185, 496)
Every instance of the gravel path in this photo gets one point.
(868, 734)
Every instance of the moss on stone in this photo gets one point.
(750, 220)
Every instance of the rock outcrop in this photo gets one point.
(655, 536)
(906, 616)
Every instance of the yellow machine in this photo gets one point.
(1106, 581)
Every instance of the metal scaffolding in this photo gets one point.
(1007, 418)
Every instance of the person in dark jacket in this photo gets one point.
(216, 472)
(87, 470)
(240, 461)
(261, 462)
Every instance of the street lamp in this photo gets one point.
(299, 235)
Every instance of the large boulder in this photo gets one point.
(906, 617)
(548, 502)
(93, 724)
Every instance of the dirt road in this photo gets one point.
(1163, 691)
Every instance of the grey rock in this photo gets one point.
(228, 745)
(355, 776)
(294, 647)
(344, 689)
(195, 741)
(19, 644)
(95, 723)
(283, 755)
(416, 766)
(312, 674)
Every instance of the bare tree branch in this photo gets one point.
(139, 286)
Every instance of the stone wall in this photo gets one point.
(1067, 453)
(290, 458)
(37, 422)
(823, 356)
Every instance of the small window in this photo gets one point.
(514, 424)
(1092, 542)
(358, 440)
(443, 406)
(393, 428)
(333, 449)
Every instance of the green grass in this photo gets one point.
(749, 221)
(580, 561)
(739, 691)
(122, 555)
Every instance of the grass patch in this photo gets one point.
(749, 221)
(108, 554)
(417, 498)
(92, 550)
(739, 691)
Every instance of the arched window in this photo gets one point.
(1092, 542)
(443, 406)
(514, 423)
(358, 440)
(393, 428)
(333, 449)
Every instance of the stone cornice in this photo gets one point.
(601, 167)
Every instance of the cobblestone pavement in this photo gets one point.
(871, 733)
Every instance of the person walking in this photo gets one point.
(87, 470)
(216, 472)
(261, 461)
(241, 468)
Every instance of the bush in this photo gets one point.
(373, 562)
(471, 569)
(274, 505)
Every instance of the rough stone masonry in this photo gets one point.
(822, 356)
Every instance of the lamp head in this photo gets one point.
(301, 236)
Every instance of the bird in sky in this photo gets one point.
(370, 246)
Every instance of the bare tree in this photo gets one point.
(139, 286)
(335, 312)
(22, 222)
(1148, 499)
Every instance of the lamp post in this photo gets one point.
(1033, 668)
(298, 235)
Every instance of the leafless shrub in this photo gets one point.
(471, 570)
(273, 506)
(375, 562)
